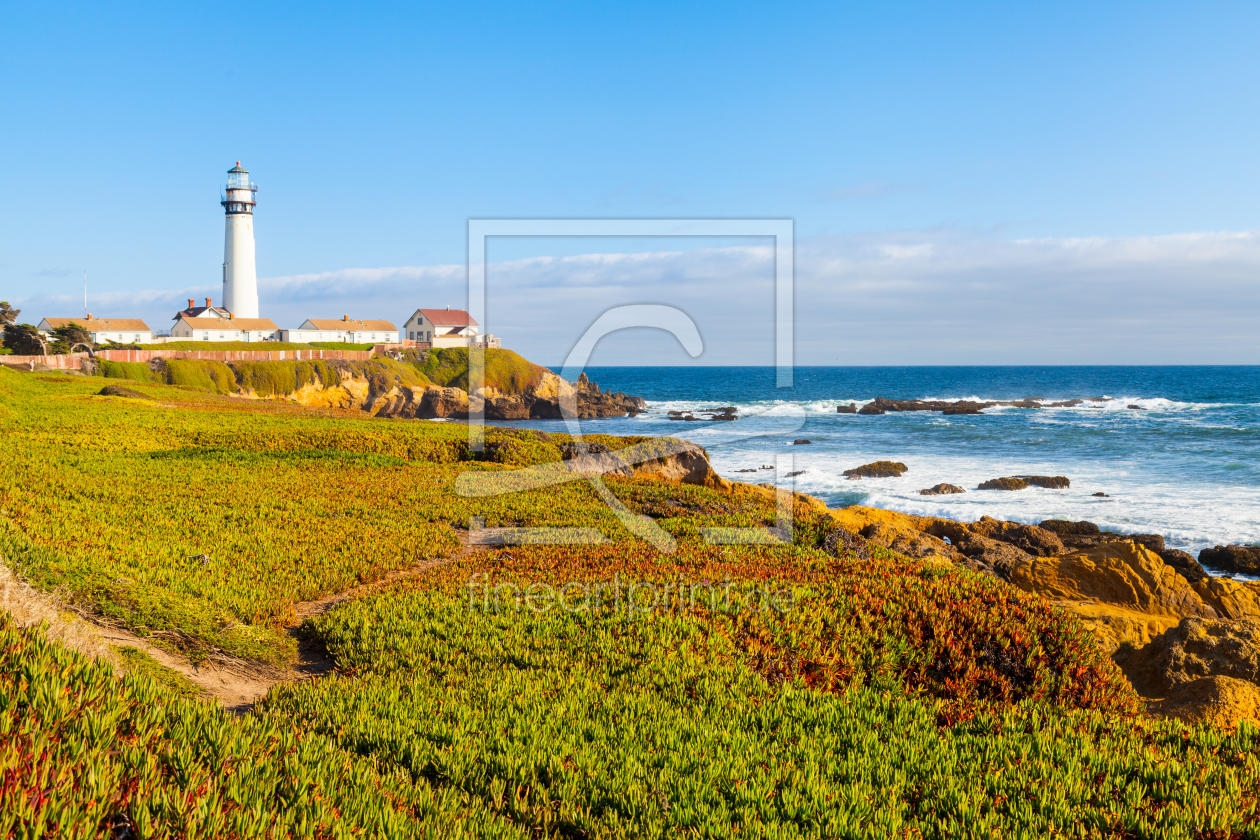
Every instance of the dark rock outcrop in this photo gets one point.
(1052, 482)
(851, 408)
(1232, 558)
(941, 490)
(1183, 562)
(1066, 527)
(878, 469)
(706, 415)
(120, 391)
(801, 441)
(1004, 484)
(1030, 538)
(883, 406)
(842, 541)
(982, 553)
(1022, 482)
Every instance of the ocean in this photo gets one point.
(1186, 467)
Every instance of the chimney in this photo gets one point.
(190, 303)
(345, 317)
(89, 316)
(231, 316)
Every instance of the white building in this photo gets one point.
(103, 330)
(240, 280)
(345, 330)
(224, 329)
(446, 328)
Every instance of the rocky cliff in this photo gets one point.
(412, 384)
(1188, 641)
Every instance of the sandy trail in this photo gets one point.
(237, 685)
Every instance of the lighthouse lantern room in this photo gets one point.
(240, 280)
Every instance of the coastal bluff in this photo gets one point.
(1144, 604)
(408, 384)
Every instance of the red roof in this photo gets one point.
(449, 317)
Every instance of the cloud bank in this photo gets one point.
(921, 297)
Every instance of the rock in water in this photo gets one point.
(942, 490)
(851, 408)
(878, 469)
(1053, 482)
(801, 441)
(1232, 558)
(1004, 484)
(1184, 563)
(870, 408)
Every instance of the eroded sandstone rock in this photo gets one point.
(1195, 648)
(1220, 701)
(1122, 573)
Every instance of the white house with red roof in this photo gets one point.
(446, 328)
(350, 330)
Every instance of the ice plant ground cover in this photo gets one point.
(893, 697)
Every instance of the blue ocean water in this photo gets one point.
(1186, 467)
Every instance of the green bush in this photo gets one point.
(135, 371)
(269, 379)
(215, 377)
(505, 370)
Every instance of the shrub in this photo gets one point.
(269, 379)
(215, 377)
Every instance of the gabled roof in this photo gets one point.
(449, 317)
(100, 324)
(244, 324)
(359, 325)
(202, 312)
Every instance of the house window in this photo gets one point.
(412, 336)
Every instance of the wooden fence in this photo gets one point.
(74, 361)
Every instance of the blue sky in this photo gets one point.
(376, 131)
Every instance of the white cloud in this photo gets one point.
(921, 297)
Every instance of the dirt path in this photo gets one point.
(237, 685)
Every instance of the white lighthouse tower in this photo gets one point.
(240, 280)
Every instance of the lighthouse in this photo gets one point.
(240, 281)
